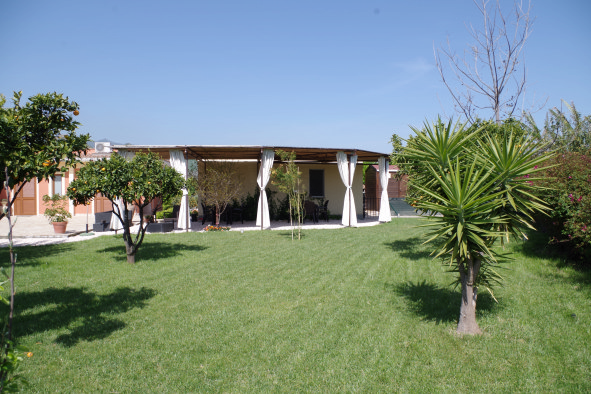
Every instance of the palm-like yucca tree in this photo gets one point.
(475, 188)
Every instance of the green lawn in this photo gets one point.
(351, 310)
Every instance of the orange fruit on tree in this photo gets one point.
(76, 112)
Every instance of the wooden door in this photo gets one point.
(25, 202)
(102, 204)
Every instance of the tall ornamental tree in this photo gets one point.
(136, 182)
(476, 188)
(37, 140)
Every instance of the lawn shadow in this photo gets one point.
(152, 251)
(30, 256)
(434, 303)
(410, 248)
(561, 255)
(287, 234)
(87, 315)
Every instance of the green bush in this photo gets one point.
(165, 213)
(569, 194)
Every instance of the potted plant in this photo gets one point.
(57, 213)
(194, 215)
(149, 218)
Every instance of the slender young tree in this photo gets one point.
(217, 184)
(288, 179)
(137, 182)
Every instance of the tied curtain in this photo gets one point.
(178, 162)
(115, 223)
(267, 158)
(385, 215)
(347, 170)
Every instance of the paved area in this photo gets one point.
(35, 230)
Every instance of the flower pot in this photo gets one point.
(59, 227)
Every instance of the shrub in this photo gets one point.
(569, 194)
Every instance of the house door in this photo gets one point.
(102, 204)
(25, 202)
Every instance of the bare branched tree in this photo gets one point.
(218, 184)
(492, 73)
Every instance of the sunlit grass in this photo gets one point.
(350, 310)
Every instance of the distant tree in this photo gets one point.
(476, 188)
(491, 75)
(564, 131)
(37, 140)
(137, 182)
(217, 184)
(288, 179)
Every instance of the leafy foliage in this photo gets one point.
(137, 182)
(568, 191)
(56, 212)
(476, 187)
(38, 139)
(564, 132)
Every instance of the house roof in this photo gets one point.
(251, 152)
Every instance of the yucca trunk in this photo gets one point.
(468, 273)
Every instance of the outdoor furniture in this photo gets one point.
(234, 211)
(160, 227)
(175, 213)
(323, 211)
(208, 214)
(311, 210)
(102, 221)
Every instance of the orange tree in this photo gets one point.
(136, 182)
(37, 139)
(476, 188)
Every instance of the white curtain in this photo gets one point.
(385, 215)
(262, 179)
(347, 171)
(178, 162)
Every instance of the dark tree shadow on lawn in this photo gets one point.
(152, 251)
(561, 255)
(434, 303)
(33, 255)
(87, 315)
(410, 248)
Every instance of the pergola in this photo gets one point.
(345, 159)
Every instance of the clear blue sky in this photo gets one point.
(322, 73)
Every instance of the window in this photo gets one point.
(317, 183)
(57, 184)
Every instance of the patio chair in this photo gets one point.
(311, 210)
(208, 214)
(175, 214)
(323, 211)
(234, 211)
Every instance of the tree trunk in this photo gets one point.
(130, 252)
(467, 323)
